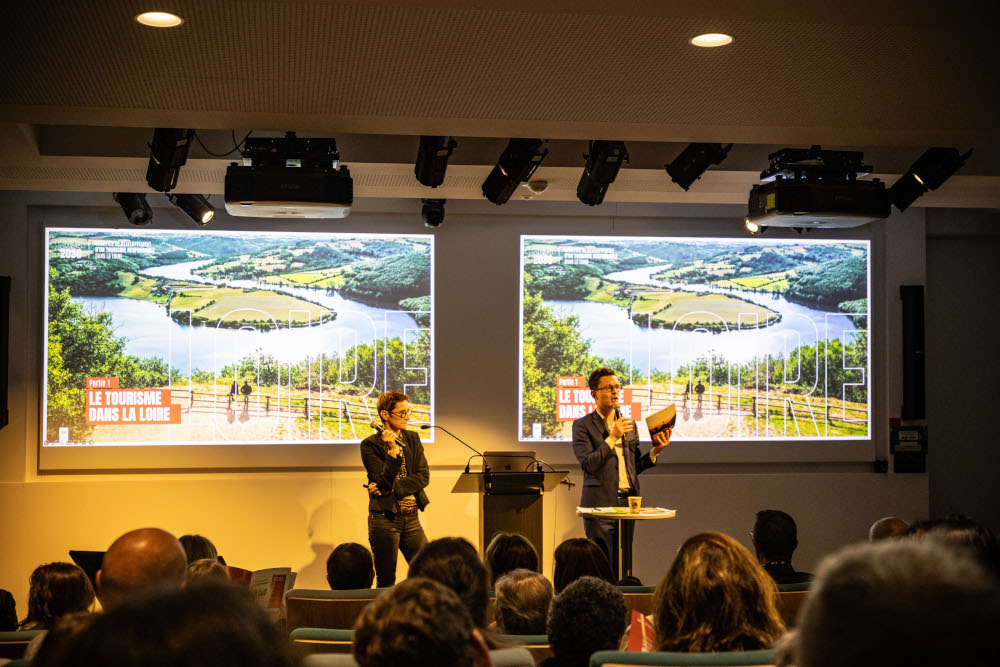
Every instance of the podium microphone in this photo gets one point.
(486, 467)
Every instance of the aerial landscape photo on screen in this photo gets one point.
(178, 337)
(750, 339)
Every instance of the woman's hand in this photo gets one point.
(389, 437)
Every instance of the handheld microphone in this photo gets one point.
(486, 467)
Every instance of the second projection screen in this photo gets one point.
(749, 339)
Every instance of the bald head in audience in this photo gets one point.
(889, 526)
(139, 560)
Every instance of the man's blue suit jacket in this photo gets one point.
(599, 463)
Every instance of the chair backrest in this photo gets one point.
(336, 610)
(330, 660)
(512, 657)
(665, 659)
(639, 598)
(789, 604)
(13, 644)
(504, 657)
(537, 645)
(793, 588)
(322, 640)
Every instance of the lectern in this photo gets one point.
(510, 502)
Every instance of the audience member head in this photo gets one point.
(204, 625)
(579, 557)
(454, 562)
(886, 527)
(207, 569)
(588, 615)
(418, 623)
(140, 559)
(774, 536)
(963, 533)
(508, 552)
(54, 590)
(349, 567)
(53, 650)
(198, 547)
(522, 602)
(630, 581)
(899, 603)
(716, 597)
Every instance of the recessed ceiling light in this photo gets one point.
(159, 19)
(712, 39)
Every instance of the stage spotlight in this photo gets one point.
(603, 162)
(432, 212)
(694, 160)
(167, 154)
(432, 159)
(135, 207)
(196, 207)
(929, 172)
(516, 165)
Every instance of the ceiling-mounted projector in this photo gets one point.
(289, 177)
(807, 188)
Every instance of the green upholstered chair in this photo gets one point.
(336, 610)
(665, 659)
(14, 643)
(322, 640)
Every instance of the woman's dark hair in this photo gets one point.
(206, 624)
(198, 547)
(716, 597)
(508, 552)
(454, 562)
(579, 557)
(588, 615)
(522, 602)
(54, 590)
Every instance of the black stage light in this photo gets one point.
(929, 172)
(432, 159)
(603, 162)
(167, 154)
(516, 165)
(135, 207)
(694, 160)
(196, 207)
(432, 212)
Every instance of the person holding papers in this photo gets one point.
(607, 446)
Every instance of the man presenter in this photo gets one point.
(607, 446)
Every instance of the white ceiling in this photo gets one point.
(82, 84)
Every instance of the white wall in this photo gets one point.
(294, 516)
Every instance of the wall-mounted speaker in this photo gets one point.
(4, 346)
(914, 390)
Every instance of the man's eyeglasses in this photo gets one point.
(402, 414)
(611, 388)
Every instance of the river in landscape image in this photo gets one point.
(612, 334)
(150, 332)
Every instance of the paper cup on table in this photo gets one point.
(634, 504)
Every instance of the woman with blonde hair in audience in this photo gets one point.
(198, 547)
(207, 569)
(716, 597)
(522, 602)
